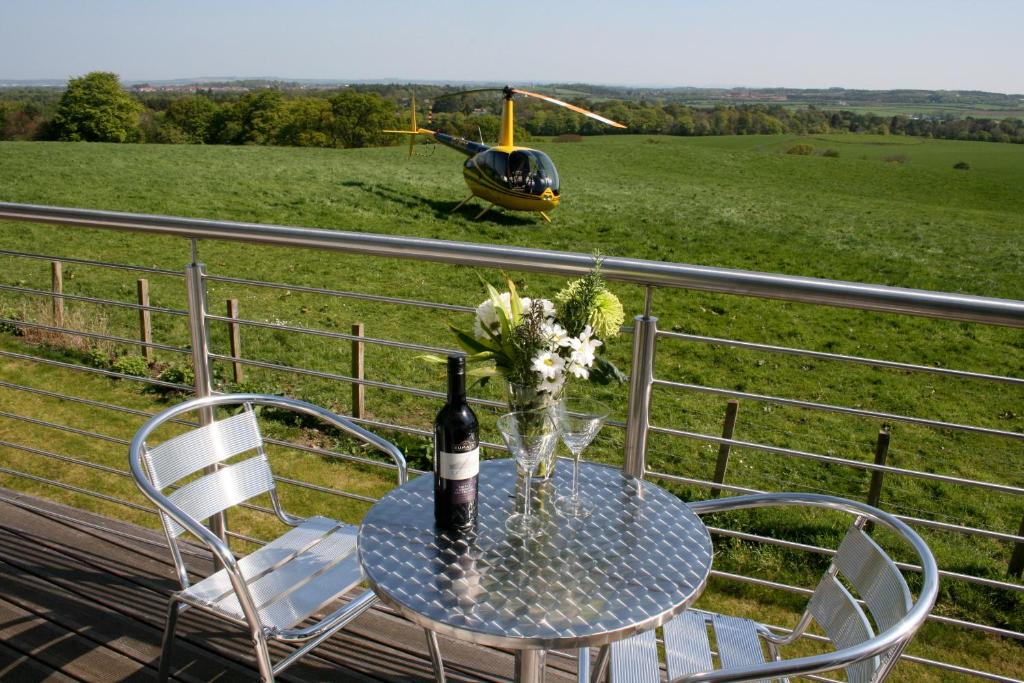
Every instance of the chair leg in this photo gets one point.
(435, 655)
(601, 665)
(259, 643)
(583, 665)
(167, 647)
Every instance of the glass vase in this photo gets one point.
(522, 397)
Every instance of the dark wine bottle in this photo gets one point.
(456, 454)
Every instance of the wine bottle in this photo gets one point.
(456, 454)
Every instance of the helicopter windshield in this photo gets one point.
(531, 171)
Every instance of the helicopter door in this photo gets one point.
(531, 171)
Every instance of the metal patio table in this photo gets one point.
(639, 559)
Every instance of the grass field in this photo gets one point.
(889, 210)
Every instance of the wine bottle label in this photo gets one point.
(456, 466)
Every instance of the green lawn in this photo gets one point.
(888, 210)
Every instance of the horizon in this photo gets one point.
(914, 45)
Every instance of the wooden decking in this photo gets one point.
(83, 598)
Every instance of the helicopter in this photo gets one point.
(515, 178)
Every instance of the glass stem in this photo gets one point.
(526, 499)
(575, 476)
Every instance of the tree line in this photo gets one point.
(95, 107)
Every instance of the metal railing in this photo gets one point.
(655, 386)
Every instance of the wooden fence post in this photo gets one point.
(875, 488)
(1017, 560)
(57, 276)
(145, 323)
(358, 393)
(235, 335)
(731, 410)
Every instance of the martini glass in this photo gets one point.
(579, 420)
(531, 436)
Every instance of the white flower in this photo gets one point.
(552, 385)
(578, 370)
(556, 334)
(547, 307)
(549, 365)
(487, 315)
(584, 348)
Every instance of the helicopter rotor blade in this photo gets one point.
(573, 107)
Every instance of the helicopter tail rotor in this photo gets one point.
(414, 128)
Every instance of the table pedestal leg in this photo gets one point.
(530, 666)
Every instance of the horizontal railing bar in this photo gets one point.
(792, 545)
(827, 407)
(699, 482)
(74, 489)
(65, 458)
(336, 293)
(89, 402)
(331, 454)
(643, 272)
(92, 335)
(913, 521)
(330, 335)
(824, 355)
(846, 462)
(97, 371)
(765, 583)
(923, 661)
(325, 489)
(87, 262)
(64, 428)
(423, 393)
(91, 300)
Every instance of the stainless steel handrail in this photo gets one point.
(653, 273)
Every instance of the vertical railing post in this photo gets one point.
(358, 390)
(196, 286)
(145, 321)
(875, 488)
(731, 410)
(645, 332)
(57, 279)
(235, 334)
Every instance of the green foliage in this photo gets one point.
(831, 153)
(94, 108)
(131, 365)
(359, 119)
(801, 149)
(178, 374)
(962, 166)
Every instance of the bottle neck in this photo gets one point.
(456, 381)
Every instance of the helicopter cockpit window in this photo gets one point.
(495, 165)
(531, 171)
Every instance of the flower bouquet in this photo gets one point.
(537, 345)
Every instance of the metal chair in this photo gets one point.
(748, 651)
(275, 589)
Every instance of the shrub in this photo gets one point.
(131, 365)
(568, 137)
(178, 374)
(962, 166)
(801, 149)
(831, 153)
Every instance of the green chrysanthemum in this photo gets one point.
(607, 316)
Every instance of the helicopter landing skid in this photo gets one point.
(485, 210)
(461, 204)
(546, 217)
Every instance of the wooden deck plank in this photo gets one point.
(110, 591)
(18, 666)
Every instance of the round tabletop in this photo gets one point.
(639, 559)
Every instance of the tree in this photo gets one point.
(359, 118)
(94, 108)
(192, 116)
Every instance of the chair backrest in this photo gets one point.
(203, 448)
(879, 583)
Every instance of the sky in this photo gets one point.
(933, 44)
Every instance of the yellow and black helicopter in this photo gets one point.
(516, 178)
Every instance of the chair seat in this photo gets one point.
(289, 578)
(687, 648)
